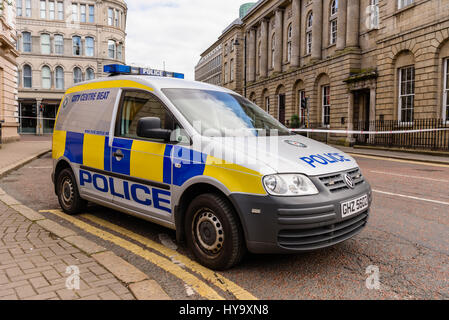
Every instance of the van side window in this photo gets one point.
(137, 105)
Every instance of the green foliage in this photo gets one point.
(294, 121)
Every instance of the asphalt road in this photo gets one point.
(407, 239)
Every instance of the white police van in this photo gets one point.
(206, 162)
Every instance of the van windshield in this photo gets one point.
(214, 113)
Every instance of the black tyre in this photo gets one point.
(68, 195)
(213, 232)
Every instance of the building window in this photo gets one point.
(74, 12)
(267, 104)
(334, 7)
(225, 73)
(89, 46)
(27, 76)
(28, 8)
(119, 51)
(404, 3)
(43, 10)
(91, 14)
(111, 49)
(333, 31)
(326, 105)
(60, 10)
(273, 48)
(231, 69)
(59, 78)
(289, 43)
(51, 10)
(26, 39)
(83, 13)
(45, 43)
(374, 14)
(19, 8)
(309, 33)
(46, 77)
(59, 44)
(333, 22)
(90, 75)
(77, 75)
(406, 94)
(76, 46)
(446, 91)
(110, 16)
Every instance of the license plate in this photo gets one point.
(354, 206)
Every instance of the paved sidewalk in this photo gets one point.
(11, 154)
(39, 257)
(396, 155)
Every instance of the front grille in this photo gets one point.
(335, 182)
(320, 237)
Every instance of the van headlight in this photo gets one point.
(289, 185)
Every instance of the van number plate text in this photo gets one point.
(354, 206)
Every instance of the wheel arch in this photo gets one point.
(61, 165)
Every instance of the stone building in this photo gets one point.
(8, 72)
(61, 43)
(209, 67)
(356, 61)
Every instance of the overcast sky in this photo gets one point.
(175, 31)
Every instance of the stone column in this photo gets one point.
(264, 49)
(296, 32)
(341, 24)
(279, 19)
(353, 20)
(252, 55)
(349, 138)
(39, 120)
(372, 113)
(317, 29)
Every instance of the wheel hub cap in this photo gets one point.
(209, 232)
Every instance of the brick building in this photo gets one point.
(358, 61)
(8, 72)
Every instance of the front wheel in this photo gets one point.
(214, 233)
(68, 195)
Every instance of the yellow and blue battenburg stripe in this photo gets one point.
(156, 162)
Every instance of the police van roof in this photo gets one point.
(159, 83)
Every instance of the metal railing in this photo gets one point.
(428, 140)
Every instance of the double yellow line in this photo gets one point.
(165, 261)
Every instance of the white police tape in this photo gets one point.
(369, 132)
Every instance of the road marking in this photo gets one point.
(407, 176)
(213, 277)
(199, 286)
(411, 197)
(398, 160)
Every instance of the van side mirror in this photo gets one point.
(150, 128)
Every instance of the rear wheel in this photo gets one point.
(68, 195)
(214, 233)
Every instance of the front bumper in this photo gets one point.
(300, 224)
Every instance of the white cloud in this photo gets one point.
(175, 31)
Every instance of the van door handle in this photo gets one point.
(118, 155)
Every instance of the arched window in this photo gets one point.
(334, 7)
(273, 47)
(26, 41)
(59, 44)
(59, 75)
(45, 43)
(77, 75)
(289, 42)
(46, 77)
(90, 75)
(76, 45)
(89, 47)
(27, 76)
(333, 22)
(309, 24)
(119, 51)
(111, 49)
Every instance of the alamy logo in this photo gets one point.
(373, 280)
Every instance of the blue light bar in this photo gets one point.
(121, 69)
